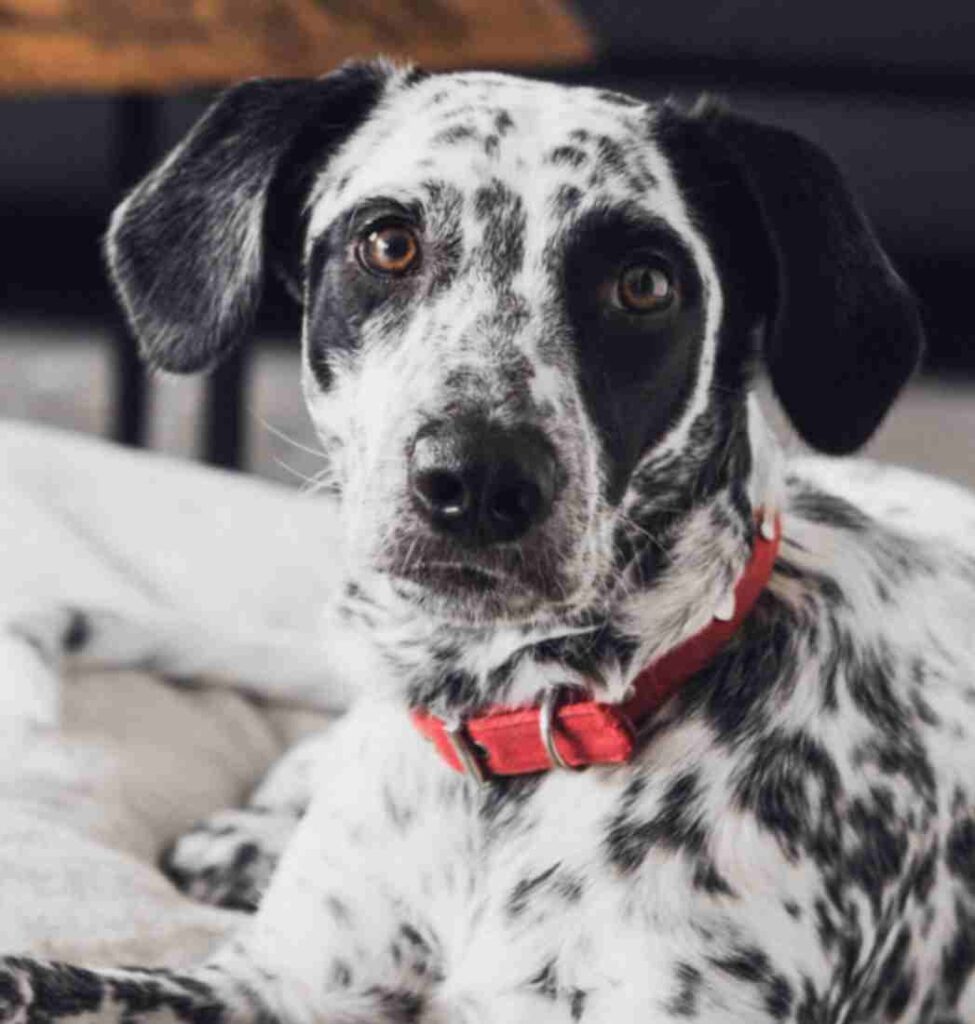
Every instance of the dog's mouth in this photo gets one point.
(503, 584)
(454, 577)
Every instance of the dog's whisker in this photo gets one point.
(282, 436)
(297, 473)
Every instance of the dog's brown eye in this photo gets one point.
(645, 288)
(390, 249)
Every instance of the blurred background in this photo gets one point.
(93, 92)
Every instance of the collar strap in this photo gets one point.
(566, 733)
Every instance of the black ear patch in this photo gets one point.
(189, 247)
(842, 330)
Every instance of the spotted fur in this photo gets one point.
(793, 840)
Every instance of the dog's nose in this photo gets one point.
(482, 483)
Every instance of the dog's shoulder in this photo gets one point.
(896, 497)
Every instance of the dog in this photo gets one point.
(667, 727)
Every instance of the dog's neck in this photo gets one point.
(681, 549)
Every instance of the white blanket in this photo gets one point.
(100, 771)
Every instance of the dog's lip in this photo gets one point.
(462, 574)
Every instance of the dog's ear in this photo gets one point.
(842, 332)
(189, 247)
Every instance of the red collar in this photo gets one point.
(520, 741)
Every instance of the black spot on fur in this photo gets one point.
(708, 879)
(340, 974)
(829, 509)
(397, 1006)
(456, 133)
(877, 856)
(684, 1003)
(778, 997)
(503, 122)
(520, 896)
(566, 199)
(504, 800)
(894, 983)
(338, 909)
(792, 784)
(734, 690)
(545, 982)
(400, 814)
(567, 156)
(453, 688)
(503, 215)
(553, 882)
(960, 851)
(752, 966)
(676, 825)
(612, 156)
(924, 872)
(958, 959)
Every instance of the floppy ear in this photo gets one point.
(188, 249)
(843, 333)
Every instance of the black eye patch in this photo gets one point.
(636, 371)
(341, 295)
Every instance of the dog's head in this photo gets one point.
(530, 311)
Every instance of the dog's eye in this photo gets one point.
(645, 288)
(391, 249)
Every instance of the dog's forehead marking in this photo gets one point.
(470, 129)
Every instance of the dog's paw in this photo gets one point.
(227, 860)
(16, 992)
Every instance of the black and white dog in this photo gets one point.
(532, 318)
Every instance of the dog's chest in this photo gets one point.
(553, 887)
(520, 887)
(781, 832)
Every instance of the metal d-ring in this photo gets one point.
(465, 750)
(546, 723)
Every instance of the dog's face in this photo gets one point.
(528, 310)
(507, 305)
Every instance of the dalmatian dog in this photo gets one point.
(666, 726)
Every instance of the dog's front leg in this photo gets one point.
(233, 990)
(40, 992)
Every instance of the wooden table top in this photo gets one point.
(162, 45)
